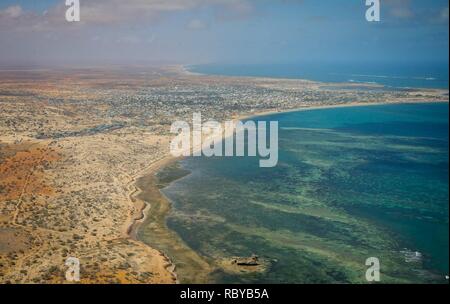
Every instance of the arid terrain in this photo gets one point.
(73, 142)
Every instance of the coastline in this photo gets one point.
(187, 70)
(157, 207)
(346, 105)
(144, 206)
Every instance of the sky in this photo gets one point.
(35, 32)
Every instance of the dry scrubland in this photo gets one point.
(72, 143)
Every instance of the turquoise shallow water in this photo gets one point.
(351, 183)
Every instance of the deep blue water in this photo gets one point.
(393, 75)
(351, 183)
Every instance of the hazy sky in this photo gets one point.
(234, 31)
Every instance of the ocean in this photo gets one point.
(398, 75)
(351, 183)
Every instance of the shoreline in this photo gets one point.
(346, 105)
(145, 207)
(142, 208)
(184, 69)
